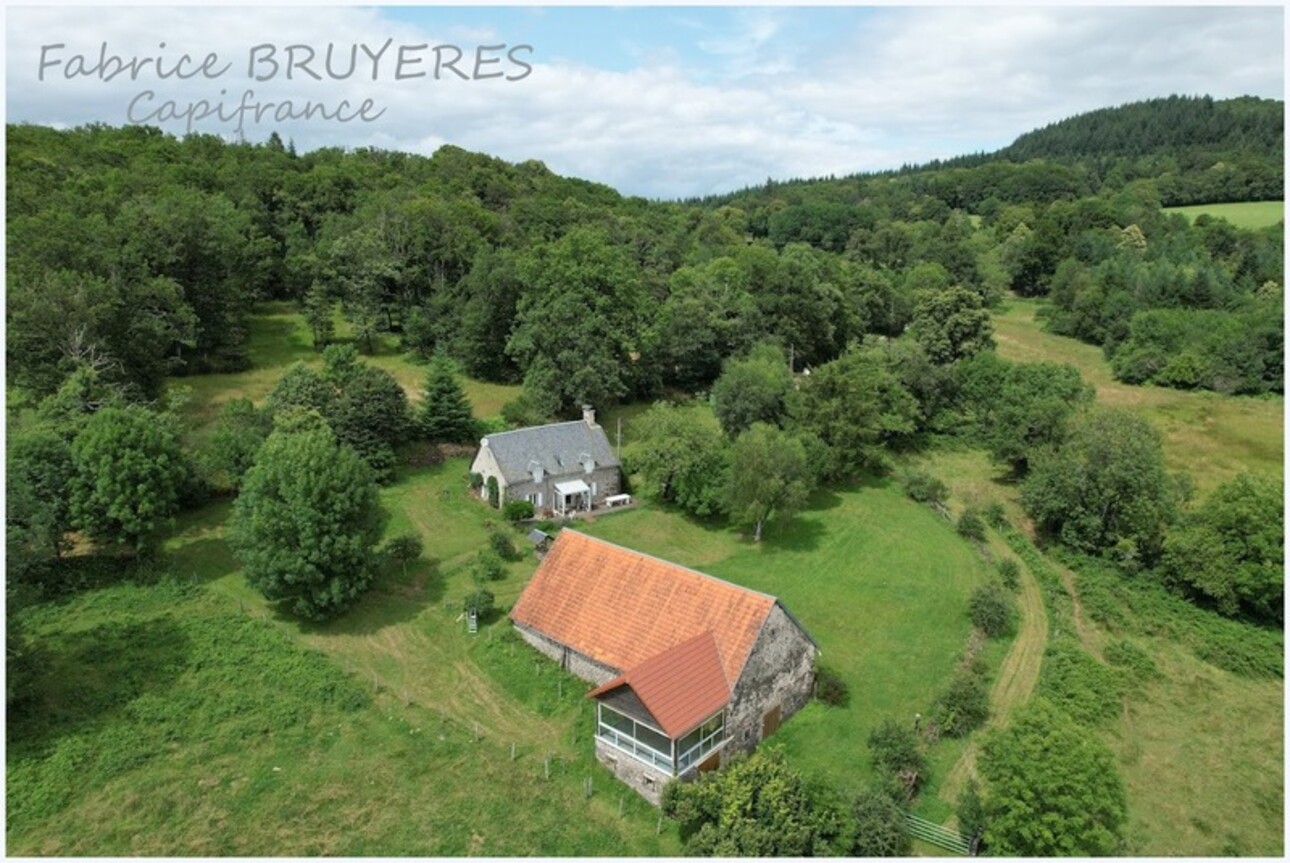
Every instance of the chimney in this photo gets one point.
(589, 416)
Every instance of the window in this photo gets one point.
(635, 738)
(648, 744)
(695, 746)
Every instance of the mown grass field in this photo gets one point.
(1211, 436)
(1251, 214)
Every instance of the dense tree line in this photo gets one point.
(141, 254)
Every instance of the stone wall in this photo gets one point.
(577, 664)
(607, 482)
(780, 672)
(645, 780)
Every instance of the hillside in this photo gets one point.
(1194, 149)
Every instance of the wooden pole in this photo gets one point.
(512, 750)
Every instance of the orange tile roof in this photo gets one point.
(621, 607)
(681, 687)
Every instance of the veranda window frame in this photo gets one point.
(672, 763)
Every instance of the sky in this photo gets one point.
(662, 102)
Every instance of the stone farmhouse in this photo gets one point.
(687, 668)
(560, 468)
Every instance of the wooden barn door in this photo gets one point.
(770, 722)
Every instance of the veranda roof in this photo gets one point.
(573, 486)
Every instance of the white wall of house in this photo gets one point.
(485, 464)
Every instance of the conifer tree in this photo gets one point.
(445, 411)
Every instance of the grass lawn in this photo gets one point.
(280, 337)
(882, 585)
(1251, 214)
(1211, 436)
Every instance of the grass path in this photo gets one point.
(1018, 674)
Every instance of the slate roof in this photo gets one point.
(621, 607)
(557, 447)
(680, 687)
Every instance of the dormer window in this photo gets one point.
(588, 463)
(535, 468)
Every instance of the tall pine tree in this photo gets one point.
(445, 410)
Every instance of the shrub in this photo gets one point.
(830, 687)
(481, 602)
(494, 495)
(488, 567)
(923, 487)
(517, 510)
(756, 806)
(502, 545)
(971, 814)
(1126, 654)
(476, 481)
(971, 526)
(963, 707)
(1088, 691)
(1010, 573)
(991, 610)
(995, 516)
(894, 748)
(879, 825)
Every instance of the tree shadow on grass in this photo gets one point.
(796, 536)
(392, 600)
(203, 561)
(85, 680)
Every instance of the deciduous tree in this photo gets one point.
(1231, 549)
(769, 477)
(128, 470)
(751, 390)
(306, 524)
(1105, 485)
(683, 457)
(1053, 789)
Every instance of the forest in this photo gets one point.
(837, 329)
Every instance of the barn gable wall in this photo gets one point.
(780, 672)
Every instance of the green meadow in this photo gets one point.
(1249, 214)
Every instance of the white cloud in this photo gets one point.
(904, 86)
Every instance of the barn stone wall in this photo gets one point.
(645, 780)
(780, 672)
(577, 664)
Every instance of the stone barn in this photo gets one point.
(560, 468)
(687, 668)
